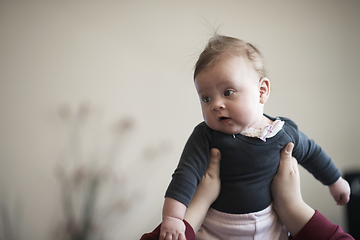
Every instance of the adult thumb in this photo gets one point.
(286, 156)
(289, 148)
(214, 164)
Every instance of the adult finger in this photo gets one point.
(214, 164)
(286, 159)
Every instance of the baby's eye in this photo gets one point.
(228, 92)
(206, 99)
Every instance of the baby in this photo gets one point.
(232, 87)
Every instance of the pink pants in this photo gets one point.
(264, 224)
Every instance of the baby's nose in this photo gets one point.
(218, 105)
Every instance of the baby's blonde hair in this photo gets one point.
(220, 44)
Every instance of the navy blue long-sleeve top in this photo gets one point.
(247, 166)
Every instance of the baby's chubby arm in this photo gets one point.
(340, 190)
(173, 227)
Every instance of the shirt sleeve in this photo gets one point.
(312, 157)
(192, 165)
(320, 228)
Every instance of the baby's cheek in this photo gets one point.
(211, 124)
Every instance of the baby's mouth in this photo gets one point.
(224, 119)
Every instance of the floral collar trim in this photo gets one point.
(268, 131)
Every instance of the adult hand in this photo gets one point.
(285, 188)
(206, 192)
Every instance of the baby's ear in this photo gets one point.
(264, 89)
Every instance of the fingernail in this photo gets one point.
(289, 147)
(215, 153)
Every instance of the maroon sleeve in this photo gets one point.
(154, 235)
(320, 228)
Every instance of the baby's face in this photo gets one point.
(229, 94)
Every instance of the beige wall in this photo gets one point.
(136, 58)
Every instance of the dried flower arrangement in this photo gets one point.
(10, 219)
(92, 191)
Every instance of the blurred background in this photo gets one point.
(97, 101)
